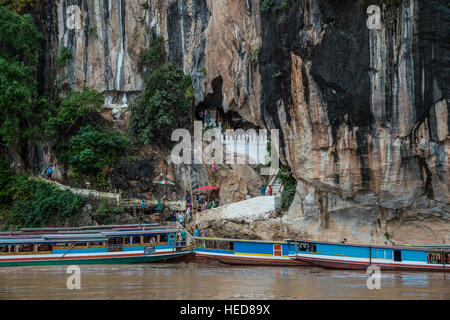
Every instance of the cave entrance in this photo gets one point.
(210, 111)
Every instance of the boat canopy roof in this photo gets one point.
(430, 247)
(97, 235)
(239, 240)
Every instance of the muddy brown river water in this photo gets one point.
(206, 281)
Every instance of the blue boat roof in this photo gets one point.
(240, 240)
(80, 236)
(403, 246)
(25, 240)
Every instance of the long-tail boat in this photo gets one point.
(245, 252)
(91, 245)
(354, 256)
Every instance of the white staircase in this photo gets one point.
(275, 183)
(277, 187)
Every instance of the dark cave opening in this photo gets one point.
(211, 112)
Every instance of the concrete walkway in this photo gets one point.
(123, 202)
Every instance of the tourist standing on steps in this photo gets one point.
(263, 190)
(49, 172)
(270, 190)
(207, 118)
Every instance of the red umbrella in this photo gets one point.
(208, 188)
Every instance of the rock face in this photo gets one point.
(256, 218)
(363, 113)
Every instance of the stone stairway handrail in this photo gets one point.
(274, 177)
(82, 192)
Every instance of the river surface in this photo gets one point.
(206, 281)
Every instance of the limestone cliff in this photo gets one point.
(363, 113)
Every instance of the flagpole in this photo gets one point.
(194, 216)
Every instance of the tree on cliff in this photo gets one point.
(18, 47)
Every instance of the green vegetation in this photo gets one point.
(166, 101)
(28, 203)
(284, 5)
(289, 184)
(18, 48)
(106, 212)
(266, 5)
(18, 5)
(62, 123)
(391, 2)
(277, 74)
(64, 56)
(282, 19)
(91, 152)
(91, 31)
(254, 56)
(76, 109)
(153, 57)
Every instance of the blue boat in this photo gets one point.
(351, 256)
(245, 252)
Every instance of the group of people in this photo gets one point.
(263, 192)
(202, 202)
(206, 117)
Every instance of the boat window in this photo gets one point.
(312, 248)
(163, 238)
(149, 239)
(4, 249)
(438, 258)
(26, 248)
(210, 244)
(44, 247)
(397, 255)
(303, 246)
(115, 240)
(96, 244)
(225, 245)
(82, 244)
(127, 240)
(136, 240)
